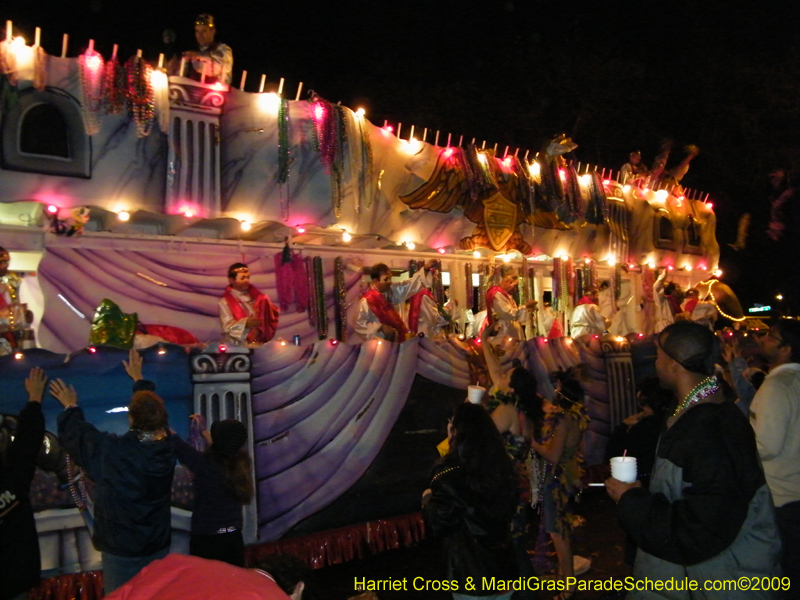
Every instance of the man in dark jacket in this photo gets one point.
(708, 514)
(133, 477)
(20, 566)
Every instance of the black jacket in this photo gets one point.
(20, 565)
(133, 482)
(476, 535)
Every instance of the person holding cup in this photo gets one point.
(561, 438)
(708, 514)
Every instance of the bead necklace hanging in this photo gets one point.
(470, 289)
(140, 95)
(597, 210)
(701, 391)
(340, 299)
(571, 207)
(319, 296)
(92, 71)
(77, 487)
(284, 159)
(114, 83)
(355, 166)
(39, 68)
(366, 173)
(8, 63)
(312, 292)
(337, 187)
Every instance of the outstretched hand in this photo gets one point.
(134, 365)
(34, 384)
(64, 393)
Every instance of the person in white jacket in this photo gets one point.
(775, 417)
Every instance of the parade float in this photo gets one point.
(121, 184)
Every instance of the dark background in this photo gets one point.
(616, 76)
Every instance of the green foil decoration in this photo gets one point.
(112, 327)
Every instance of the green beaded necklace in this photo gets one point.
(702, 390)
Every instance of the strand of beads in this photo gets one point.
(340, 296)
(319, 296)
(77, 489)
(114, 83)
(92, 72)
(312, 290)
(140, 95)
(701, 391)
(283, 141)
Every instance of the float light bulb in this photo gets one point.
(346, 237)
(246, 225)
(123, 215)
(476, 254)
(18, 355)
(223, 348)
(410, 245)
(301, 230)
(52, 209)
(360, 112)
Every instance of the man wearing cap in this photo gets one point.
(246, 315)
(214, 59)
(708, 514)
(775, 417)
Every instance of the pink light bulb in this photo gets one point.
(94, 62)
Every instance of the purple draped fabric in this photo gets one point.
(320, 416)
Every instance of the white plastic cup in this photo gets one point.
(623, 468)
(475, 394)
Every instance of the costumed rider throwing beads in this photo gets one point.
(214, 59)
(377, 315)
(247, 316)
(501, 307)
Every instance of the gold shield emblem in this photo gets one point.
(500, 216)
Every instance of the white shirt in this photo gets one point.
(431, 321)
(509, 316)
(234, 330)
(587, 319)
(775, 417)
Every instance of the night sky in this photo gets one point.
(616, 76)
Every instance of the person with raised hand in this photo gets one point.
(20, 564)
